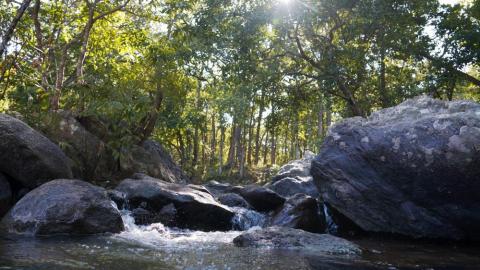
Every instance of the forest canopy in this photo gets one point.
(229, 86)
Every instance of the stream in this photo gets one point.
(158, 247)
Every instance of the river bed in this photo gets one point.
(158, 247)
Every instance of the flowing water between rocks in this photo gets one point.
(158, 247)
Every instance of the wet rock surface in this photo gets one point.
(301, 212)
(261, 199)
(410, 169)
(193, 209)
(288, 238)
(27, 156)
(64, 207)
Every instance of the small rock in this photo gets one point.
(294, 239)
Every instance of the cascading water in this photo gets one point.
(331, 226)
(157, 235)
(245, 219)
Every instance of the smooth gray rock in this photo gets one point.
(301, 212)
(412, 169)
(64, 207)
(233, 200)
(295, 168)
(294, 239)
(261, 199)
(289, 186)
(216, 189)
(29, 157)
(195, 209)
(5, 195)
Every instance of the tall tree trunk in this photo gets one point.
(195, 136)
(242, 150)
(250, 137)
(231, 149)
(181, 146)
(383, 81)
(328, 112)
(11, 27)
(259, 124)
(222, 146)
(273, 148)
(147, 124)
(239, 142)
(353, 106)
(59, 80)
(213, 141)
(265, 149)
(320, 124)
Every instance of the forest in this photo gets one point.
(240, 134)
(232, 88)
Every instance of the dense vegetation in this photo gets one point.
(232, 85)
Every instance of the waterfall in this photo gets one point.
(331, 226)
(245, 219)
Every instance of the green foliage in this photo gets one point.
(234, 85)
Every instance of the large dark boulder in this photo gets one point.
(29, 157)
(290, 186)
(233, 200)
(193, 209)
(91, 158)
(294, 239)
(64, 207)
(301, 212)
(152, 159)
(86, 141)
(412, 169)
(261, 199)
(5, 195)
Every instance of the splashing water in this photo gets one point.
(246, 219)
(158, 236)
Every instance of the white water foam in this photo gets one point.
(157, 235)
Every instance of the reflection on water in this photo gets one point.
(157, 247)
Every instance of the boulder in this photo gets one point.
(85, 140)
(194, 209)
(91, 158)
(294, 239)
(233, 200)
(152, 159)
(29, 157)
(410, 169)
(261, 199)
(64, 207)
(301, 212)
(300, 168)
(290, 186)
(5, 195)
(216, 189)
